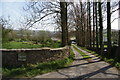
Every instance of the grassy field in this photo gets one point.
(36, 69)
(19, 45)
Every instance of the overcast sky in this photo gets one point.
(14, 9)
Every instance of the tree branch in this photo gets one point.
(115, 10)
(38, 20)
(114, 19)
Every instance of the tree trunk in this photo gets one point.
(108, 28)
(118, 52)
(77, 37)
(101, 28)
(82, 29)
(89, 25)
(93, 25)
(118, 49)
(87, 36)
(97, 45)
(63, 6)
(119, 29)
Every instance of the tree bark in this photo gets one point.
(87, 36)
(82, 29)
(101, 28)
(96, 14)
(118, 49)
(93, 25)
(119, 28)
(108, 28)
(89, 25)
(63, 6)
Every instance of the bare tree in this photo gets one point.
(89, 10)
(6, 28)
(79, 13)
(96, 19)
(40, 11)
(63, 6)
(101, 28)
(108, 28)
(118, 50)
(119, 28)
(93, 25)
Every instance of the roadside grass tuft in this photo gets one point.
(32, 70)
(113, 61)
(82, 54)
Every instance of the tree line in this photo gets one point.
(88, 21)
(86, 18)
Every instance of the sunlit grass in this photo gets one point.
(36, 69)
(81, 53)
(20, 45)
(105, 46)
(112, 61)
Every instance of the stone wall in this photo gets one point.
(18, 57)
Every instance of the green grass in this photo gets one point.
(105, 46)
(0, 70)
(32, 70)
(56, 45)
(71, 57)
(20, 45)
(36, 69)
(53, 44)
(82, 54)
(92, 52)
(112, 61)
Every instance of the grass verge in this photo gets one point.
(32, 70)
(92, 52)
(85, 56)
(112, 61)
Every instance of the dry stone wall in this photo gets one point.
(18, 57)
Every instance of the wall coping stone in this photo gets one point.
(44, 48)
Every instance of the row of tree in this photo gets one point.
(89, 29)
(85, 17)
(88, 21)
